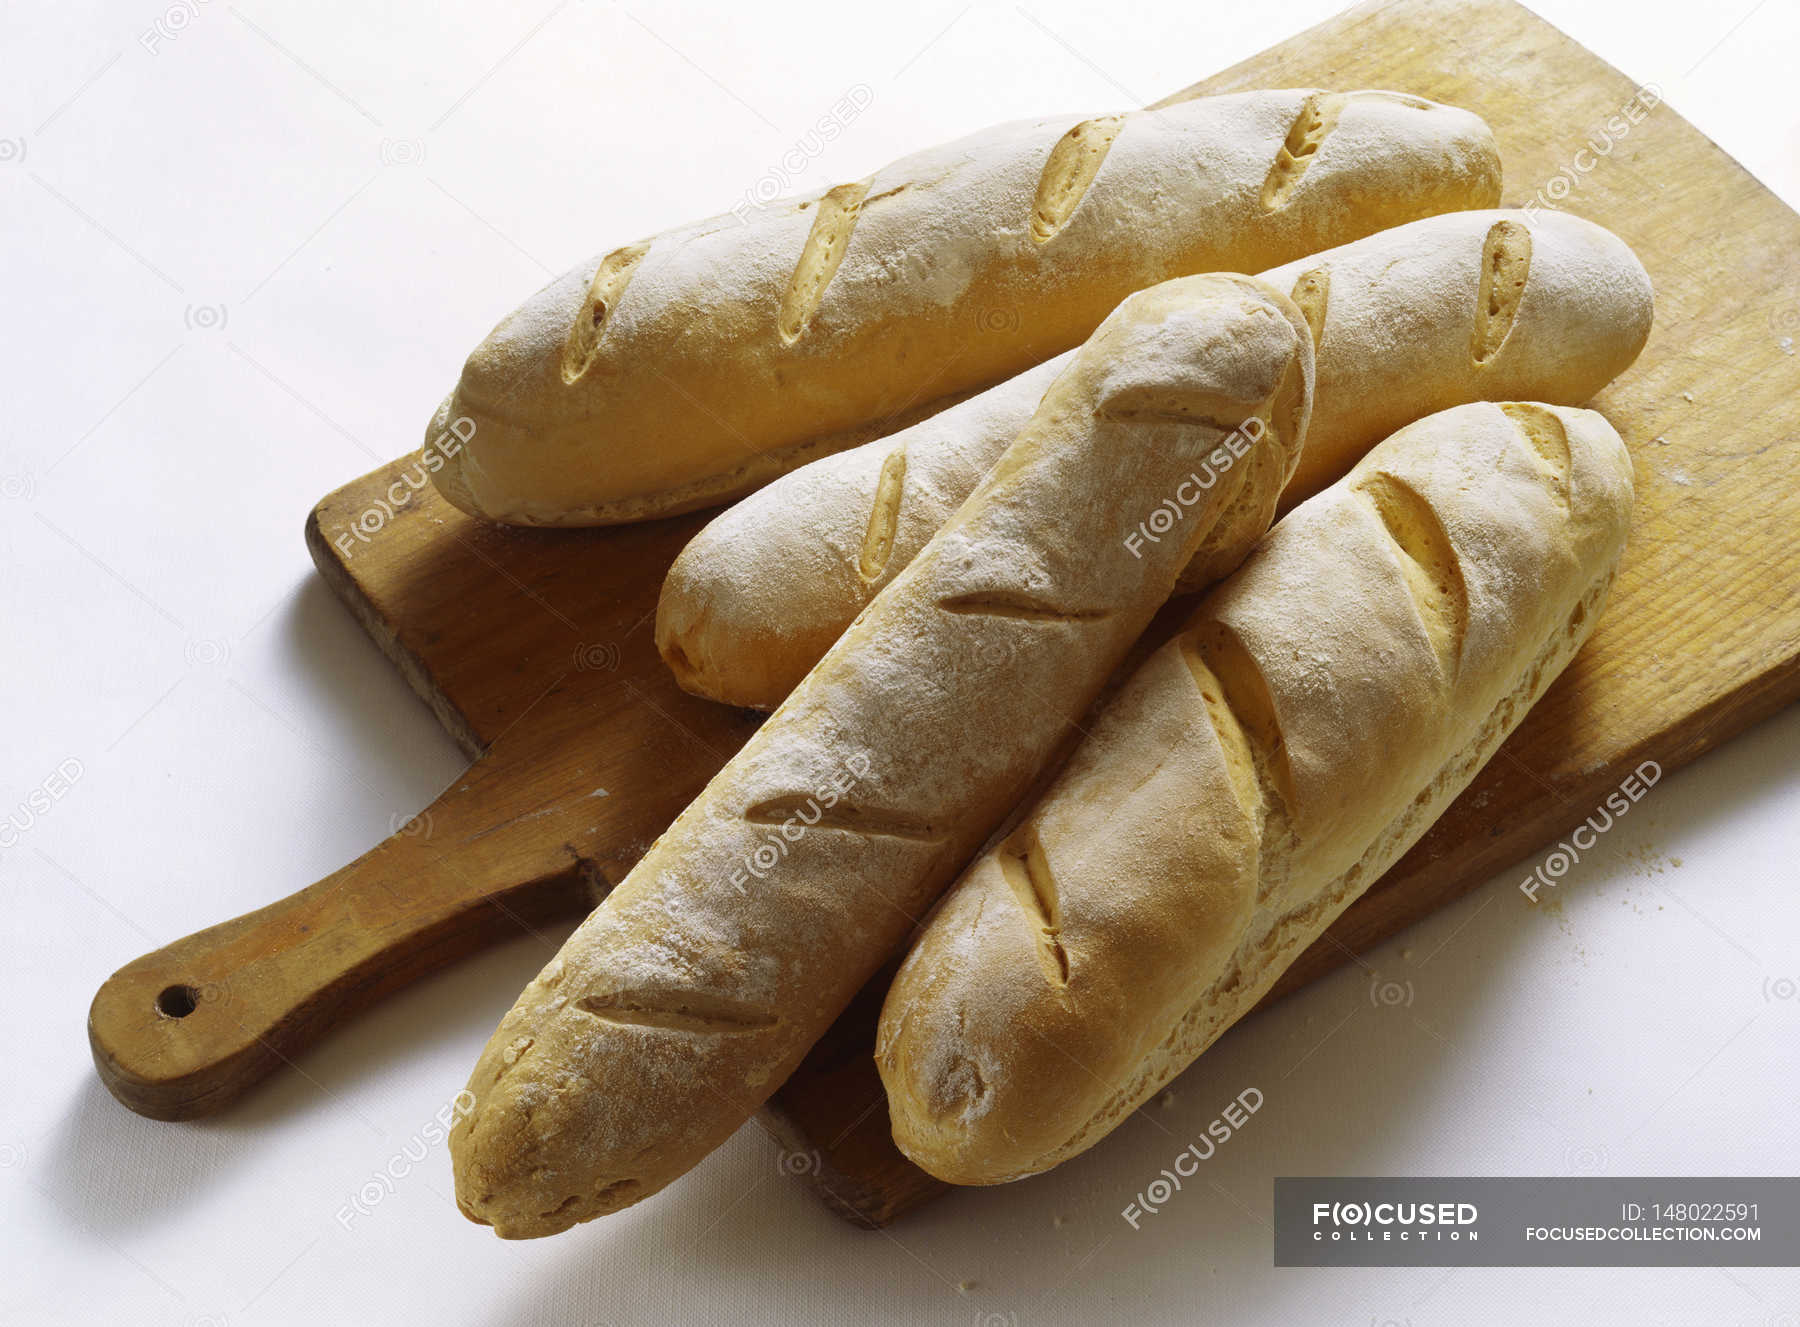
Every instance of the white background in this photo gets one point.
(241, 268)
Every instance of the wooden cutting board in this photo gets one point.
(534, 647)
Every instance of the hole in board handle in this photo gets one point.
(177, 1001)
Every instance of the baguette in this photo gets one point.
(1407, 322)
(1251, 779)
(698, 985)
(695, 366)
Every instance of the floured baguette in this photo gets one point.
(699, 364)
(698, 985)
(1465, 307)
(1251, 779)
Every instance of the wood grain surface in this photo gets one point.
(534, 647)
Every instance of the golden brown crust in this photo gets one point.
(702, 363)
(1261, 769)
(692, 992)
(1398, 318)
(1416, 321)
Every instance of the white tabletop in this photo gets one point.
(245, 248)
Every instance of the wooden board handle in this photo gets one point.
(187, 1029)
